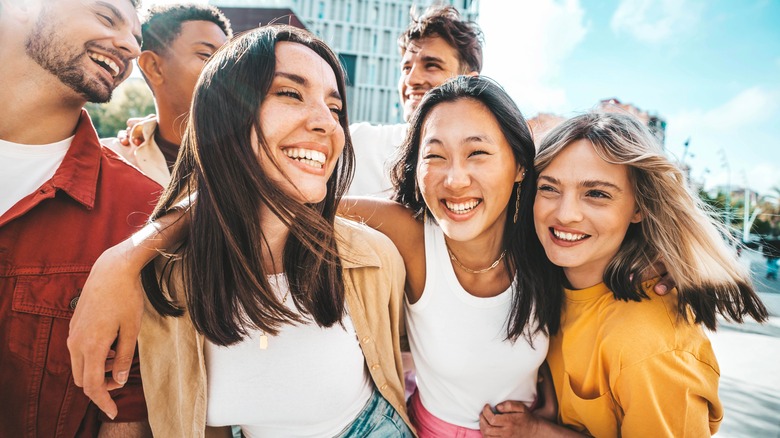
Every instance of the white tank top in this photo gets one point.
(458, 343)
(309, 382)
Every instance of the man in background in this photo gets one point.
(435, 47)
(177, 41)
(63, 201)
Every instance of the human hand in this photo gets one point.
(547, 403)
(510, 419)
(133, 135)
(109, 309)
(665, 284)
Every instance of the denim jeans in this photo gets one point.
(378, 419)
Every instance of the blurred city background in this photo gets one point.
(704, 75)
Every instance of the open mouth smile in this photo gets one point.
(568, 237)
(462, 207)
(106, 63)
(415, 97)
(309, 157)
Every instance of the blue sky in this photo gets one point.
(710, 68)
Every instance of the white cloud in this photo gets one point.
(526, 42)
(654, 21)
(750, 107)
(735, 142)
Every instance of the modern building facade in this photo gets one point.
(364, 34)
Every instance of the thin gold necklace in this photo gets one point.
(263, 336)
(479, 271)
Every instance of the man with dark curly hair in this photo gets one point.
(177, 41)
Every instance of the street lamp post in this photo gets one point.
(746, 222)
(725, 164)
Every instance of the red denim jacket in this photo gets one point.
(48, 243)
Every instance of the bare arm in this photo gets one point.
(389, 217)
(110, 308)
(396, 222)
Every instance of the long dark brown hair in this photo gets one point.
(525, 257)
(220, 263)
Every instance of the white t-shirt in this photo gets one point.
(24, 168)
(309, 382)
(458, 343)
(375, 148)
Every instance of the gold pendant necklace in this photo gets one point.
(479, 271)
(263, 336)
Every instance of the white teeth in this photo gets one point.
(309, 157)
(570, 237)
(107, 61)
(462, 207)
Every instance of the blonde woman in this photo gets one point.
(627, 362)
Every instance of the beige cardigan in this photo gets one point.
(171, 351)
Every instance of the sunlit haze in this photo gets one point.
(710, 68)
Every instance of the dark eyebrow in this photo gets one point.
(430, 58)
(119, 16)
(477, 139)
(430, 141)
(470, 139)
(207, 44)
(592, 184)
(589, 184)
(300, 80)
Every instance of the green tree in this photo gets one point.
(131, 99)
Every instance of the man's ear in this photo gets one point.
(151, 64)
(472, 73)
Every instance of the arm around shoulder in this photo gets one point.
(110, 309)
(390, 218)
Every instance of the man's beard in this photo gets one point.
(52, 52)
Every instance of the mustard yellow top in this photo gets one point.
(633, 368)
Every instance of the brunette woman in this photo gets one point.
(271, 314)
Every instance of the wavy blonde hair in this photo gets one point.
(676, 228)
